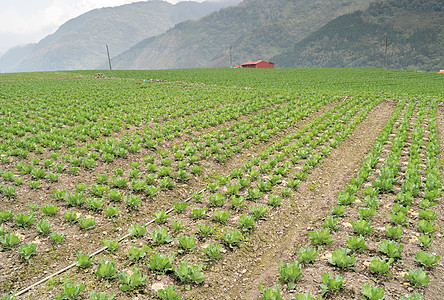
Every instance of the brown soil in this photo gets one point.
(240, 271)
(279, 238)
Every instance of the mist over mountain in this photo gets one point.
(80, 42)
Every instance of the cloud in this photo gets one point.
(29, 21)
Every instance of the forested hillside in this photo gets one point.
(255, 29)
(414, 30)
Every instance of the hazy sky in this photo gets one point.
(28, 21)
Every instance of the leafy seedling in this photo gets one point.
(340, 258)
(290, 273)
(356, 243)
(428, 260)
(330, 283)
(84, 260)
(102, 296)
(160, 263)
(169, 293)
(391, 248)
(320, 237)
(106, 269)
(372, 293)
(380, 266)
(71, 291)
(418, 278)
(112, 245)
(133, 280)
(213, 251)
(307, 255)
(270, 293)
(189, 273)
(232, 238)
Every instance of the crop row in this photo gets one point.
(371, 196)
(231, 235)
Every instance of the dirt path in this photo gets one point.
(240, 272)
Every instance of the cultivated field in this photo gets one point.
(222, 184)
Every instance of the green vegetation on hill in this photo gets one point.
(414, 29)
(257, 29)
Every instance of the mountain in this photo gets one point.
(12, 58)
(257, 29)
(80, 42)
(414, 29)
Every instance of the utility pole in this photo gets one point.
(231, 57)
(386, 46)
(109, 60)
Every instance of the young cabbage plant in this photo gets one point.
(132, 280)
(106, 269)
(330, 283)
(8, 241)
(43, 226)
(70, 216)
(112, 245)
(160, 263)
(217, 199)
(169, 293)
(161, 236)
(87, 223)
(221, 216)
(425, 241)
(394, 233)
(71, 291)
(372, 293)
(199, 213)
(380, 266)
(179, 206)
(362, 227)
(213, 251)
(84, 260)
(417, 278)
(137, 230)
(232, 238)
(25, 221)
(356, 244)
(27, 250)
(57, 238)
(320, 237)
(160, 216)
(189, 273)
(204, 229)
(49, 210)
(102, 296)
(415, 296)
(290, 273)
(426, 227)
(427, 260)
(330, 222)
(341, 259)
(270, 293)
(247, 222)
(307, 255)
(187, 243)
(259, 212)
(135, 253)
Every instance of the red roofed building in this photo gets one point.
(258, 64)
